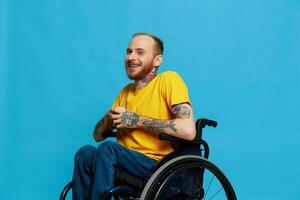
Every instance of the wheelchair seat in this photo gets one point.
(179, 175)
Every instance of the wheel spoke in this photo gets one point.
(208, 187)
(216, 193)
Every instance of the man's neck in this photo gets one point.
(139, 84)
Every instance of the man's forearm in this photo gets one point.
(181, 128)
(102, 126)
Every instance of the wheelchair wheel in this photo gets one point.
(188, 176)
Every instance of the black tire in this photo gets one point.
(65, 191)
(158, 182)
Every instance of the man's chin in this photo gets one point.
(134, 77)
(131, 77)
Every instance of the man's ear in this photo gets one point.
(158, 60)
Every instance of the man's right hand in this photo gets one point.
(105, 124)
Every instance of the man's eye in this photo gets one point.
(128, 51)
(140, 53)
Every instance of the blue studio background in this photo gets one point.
(62, 65)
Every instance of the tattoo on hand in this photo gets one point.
(129, 119)
(158, 126)
(182, 111)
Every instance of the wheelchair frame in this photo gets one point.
(169, 165)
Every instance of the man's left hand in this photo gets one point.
(124, 119)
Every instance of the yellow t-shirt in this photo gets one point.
(155, 100)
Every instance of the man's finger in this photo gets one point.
(117, 121)
(116, 116)
(119, 109)
(120, 126)
(115, 111)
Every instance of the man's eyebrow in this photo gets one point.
(137, 49)
(140, 49)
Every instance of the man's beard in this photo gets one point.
(141, 75)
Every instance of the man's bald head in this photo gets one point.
(158, 43)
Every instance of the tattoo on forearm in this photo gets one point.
(129, 119)
(182, 111)
(159, 126)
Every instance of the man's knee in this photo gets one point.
(84, 153)
(107, 148)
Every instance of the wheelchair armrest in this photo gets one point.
(164, 136)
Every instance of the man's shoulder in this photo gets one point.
(169, 75)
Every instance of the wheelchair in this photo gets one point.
(184, 174)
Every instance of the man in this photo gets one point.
(151, 105)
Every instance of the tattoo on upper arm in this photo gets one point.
(182, 111)
(159, 126)
(129, 119)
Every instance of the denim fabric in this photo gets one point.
(94, 172)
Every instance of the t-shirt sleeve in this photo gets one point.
(174, 89)
(116, 102)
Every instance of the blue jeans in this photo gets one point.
(94, 172)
